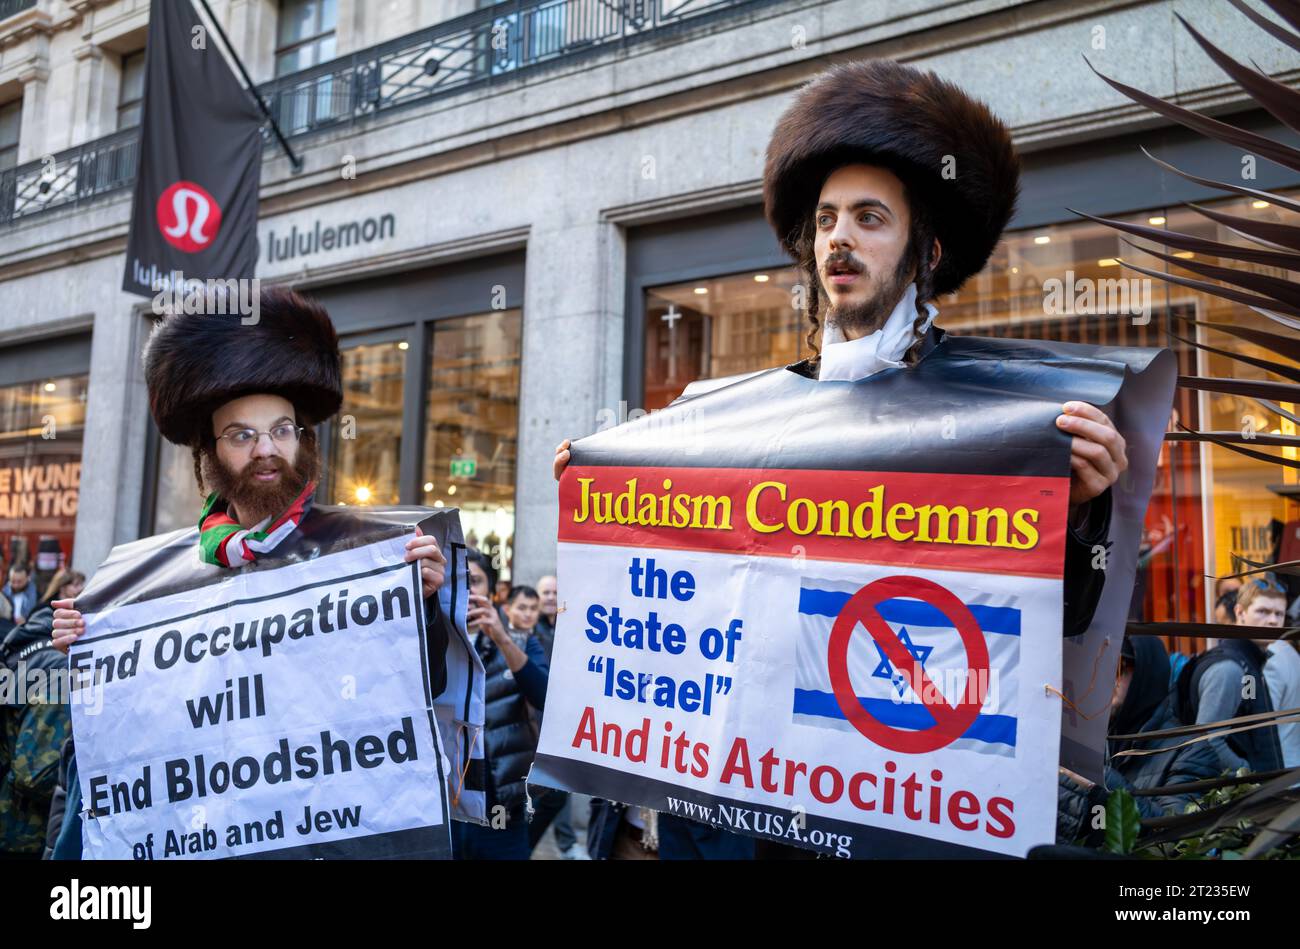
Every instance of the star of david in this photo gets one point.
(886, 671)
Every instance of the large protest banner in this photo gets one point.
(830, 614)
(286, 712)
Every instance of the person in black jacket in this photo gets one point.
(515, 673)
(1142, 702)
(1228, 681)
(890, 188)
(35, 721)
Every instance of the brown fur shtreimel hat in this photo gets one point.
(196, 362)
(949, 149)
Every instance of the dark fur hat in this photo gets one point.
(194, 363)
(884, 113)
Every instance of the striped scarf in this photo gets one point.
(223, 542)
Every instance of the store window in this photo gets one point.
(471, 432)
(366, 440)
(177, 501)
(1209, 503)
(130, 95)
(41, 428)
(722, 326)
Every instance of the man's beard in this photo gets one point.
(253, 500)
(870, 314)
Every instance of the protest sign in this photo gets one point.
(277, 712)
(831, 614)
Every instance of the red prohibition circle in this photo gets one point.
(950, 722)
(188, 216)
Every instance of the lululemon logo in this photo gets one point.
(188, 217)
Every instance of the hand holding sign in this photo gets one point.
(561, 458)
(1098, 452)
(434, 569)
(68, 625)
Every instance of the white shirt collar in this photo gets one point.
(853, 359)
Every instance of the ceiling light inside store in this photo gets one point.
(451, 489)
(362, 493)
(403, 345)
(50, 387)
(1042, 239)
(1259, 205)
(428, 486)
(761, 278)
(1156, 221)
(701, 290)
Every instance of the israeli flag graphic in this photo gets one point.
(934, 641)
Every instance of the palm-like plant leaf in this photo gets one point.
(1271, 812)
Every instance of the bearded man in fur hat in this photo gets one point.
(244, 399)
(890, 187)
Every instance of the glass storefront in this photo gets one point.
(706, 329)
(41, 428)
(1062, 282)
(471, 429)
(366, 444)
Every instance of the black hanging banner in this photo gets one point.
(195, 208)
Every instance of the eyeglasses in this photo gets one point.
(284, 434)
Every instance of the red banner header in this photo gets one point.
(987, 523)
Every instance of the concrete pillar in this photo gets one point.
(572, 364)
(32, 142)
(94, 110)
(113, 449)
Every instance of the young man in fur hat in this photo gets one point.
(889, 187)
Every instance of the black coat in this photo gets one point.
(1083, 583)
(509, 732)
(1149, 706)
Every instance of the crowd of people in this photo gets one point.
(513, 629)
(1155, 691)
(858, 189)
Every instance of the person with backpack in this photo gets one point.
(1228, 682)
(1142, 702)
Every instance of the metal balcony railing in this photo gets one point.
(457, 55)
(9, 8)
(71, 177)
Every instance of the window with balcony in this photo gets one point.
(130, 96)
(305, 34)
(11, 118)
(10, 8)
(305, 38)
